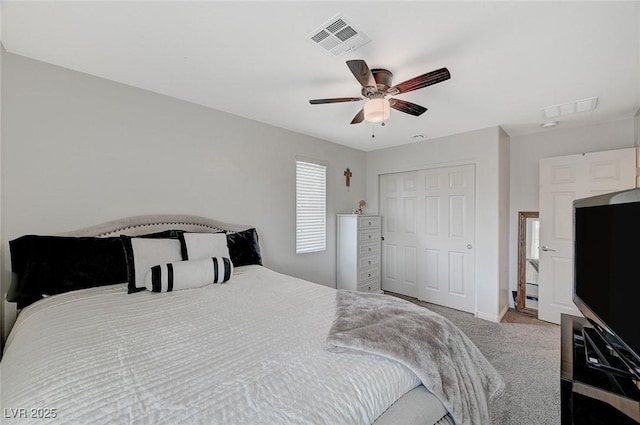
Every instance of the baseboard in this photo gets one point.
(492, 317)
(503, 312)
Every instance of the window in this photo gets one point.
(311, 207)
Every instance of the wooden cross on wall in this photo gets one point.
(348, 175)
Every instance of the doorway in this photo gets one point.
(526, 300)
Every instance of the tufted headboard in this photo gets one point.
(139, 225)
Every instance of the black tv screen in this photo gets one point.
(607, 265)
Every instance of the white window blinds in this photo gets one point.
(311, 207)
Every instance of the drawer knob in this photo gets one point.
(369, 223)
(369, 287)
(369, 261)
(369, 236)
(369, 274)
(369, 249)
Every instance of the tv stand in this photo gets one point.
(595, 389)
(601, 356)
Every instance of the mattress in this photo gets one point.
(248, 351)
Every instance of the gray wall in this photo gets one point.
(526, 152)
(78, 150)
(2, 53)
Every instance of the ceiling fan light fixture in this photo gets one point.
(377, 110)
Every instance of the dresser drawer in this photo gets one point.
(368, 275)
(372, 286)
(366, 262)
(369, 248)
(372, 235)
(368, 223)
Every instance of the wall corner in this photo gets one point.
(636, 125)
(504, 188)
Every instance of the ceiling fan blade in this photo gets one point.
(362, 72)
(407, 107)
(359, 117)
(335, 100)
(421, 81)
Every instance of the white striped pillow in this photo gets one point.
(188, 274)
(203, 245)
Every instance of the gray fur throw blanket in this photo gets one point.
(444, 359)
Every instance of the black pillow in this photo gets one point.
(48, 265)
(244, 248)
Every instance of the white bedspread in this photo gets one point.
(250, 351)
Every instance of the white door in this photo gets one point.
(398, 199)
(429, 233)
(562, 180)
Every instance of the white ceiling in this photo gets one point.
(507, 59)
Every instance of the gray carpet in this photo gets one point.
(528, 358)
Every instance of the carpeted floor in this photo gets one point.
(526, 352)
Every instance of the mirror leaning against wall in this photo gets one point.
(526, 296)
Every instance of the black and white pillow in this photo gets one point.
(204, 245)
(143, 253)
(188, 274)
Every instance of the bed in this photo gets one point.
(249, 351)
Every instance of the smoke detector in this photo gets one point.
(338, 36)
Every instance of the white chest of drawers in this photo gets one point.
(359, 252)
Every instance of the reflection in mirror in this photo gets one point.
(531, 266)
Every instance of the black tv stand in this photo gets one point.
(602, 356)
(596, 389)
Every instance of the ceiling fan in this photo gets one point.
(376, 87)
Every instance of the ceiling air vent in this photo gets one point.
(583, 105)
(338, 36)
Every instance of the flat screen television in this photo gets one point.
(607, 270)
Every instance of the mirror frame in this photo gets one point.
(522, 253)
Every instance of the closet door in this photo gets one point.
(429, 235)
(398, 206)
(562, 180)
(447, 264)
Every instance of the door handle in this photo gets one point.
(546, 248)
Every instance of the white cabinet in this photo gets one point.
(359, 252)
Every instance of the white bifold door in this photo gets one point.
(428, 229)
(563, 180)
